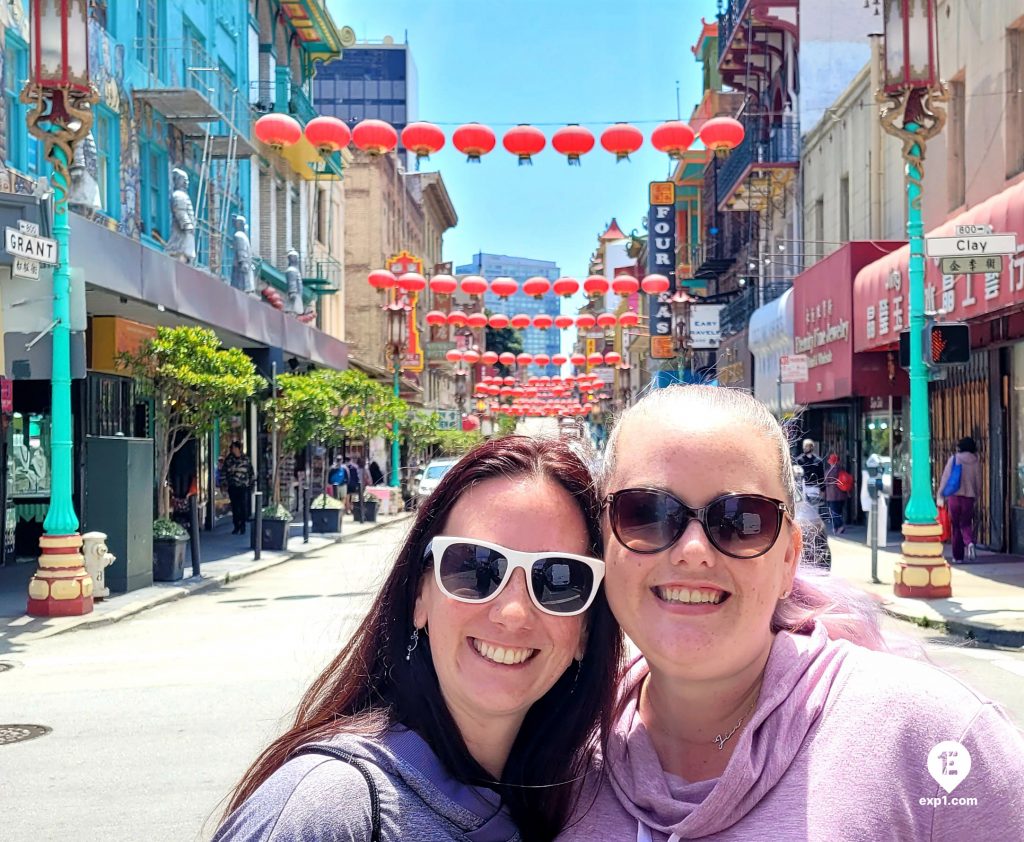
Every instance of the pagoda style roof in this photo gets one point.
(613, 232)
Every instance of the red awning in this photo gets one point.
(880, 291)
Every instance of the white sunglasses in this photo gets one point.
(473, 571)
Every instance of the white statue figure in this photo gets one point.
(182, 242)
(97, 559)
(294, 278)
(84, 189)
(242, 276)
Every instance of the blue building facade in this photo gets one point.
(535, 341)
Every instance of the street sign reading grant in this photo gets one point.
(983, 246)
(31, 247)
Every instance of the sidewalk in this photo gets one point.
(988, 594)
(225, 557)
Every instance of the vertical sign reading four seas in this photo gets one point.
(661, 259)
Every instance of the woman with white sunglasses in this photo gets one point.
(762, 706)
(466, 705)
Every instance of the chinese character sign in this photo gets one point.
(661, 259)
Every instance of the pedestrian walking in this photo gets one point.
(239, 475)
(337, 478)
(376, 474)
(814, 479)
(837, 490)
(353, 485)
(959, 488)
(467, 704)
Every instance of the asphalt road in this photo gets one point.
(155, 718)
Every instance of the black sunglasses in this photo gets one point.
(649, 520)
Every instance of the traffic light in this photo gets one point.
(945, 343)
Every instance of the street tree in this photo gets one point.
(501, 340)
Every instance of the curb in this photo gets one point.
(215, 581)
(982, 632)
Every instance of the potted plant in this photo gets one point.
(170, 541)
(276, 521)
(364, 510)
(325, 512)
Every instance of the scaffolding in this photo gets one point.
(199, 98)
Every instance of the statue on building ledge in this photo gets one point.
(294, 278)
(242, 275)
(182, 242)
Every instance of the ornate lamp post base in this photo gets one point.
(61, 587)
(922, 573)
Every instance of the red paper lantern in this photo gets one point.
(506, 391)
(613, 358)
(443, 284)
(507, 358)
(474, 140)
(471, 357)
(673, 137)
(585, 321)
(606, 320)
(382, 279)
(595, 285)
(559, 359)
(510, 381)
(453, 356)
(722, 134)
(477, 320)
(456, 318)
(423, 139)
(278, 131)
(488, 358)
(542, 321)
(573, 141)
(520, 321)
(566, 287)
(578, 359)
(564, 322)
(435, 318)
(625, 285)
(524, 358)
(595, 359)
(474, 285)
(375, 137)
(524, 141)
(541, 359)
(622, 139)
(504, 287)
(654, 284)
(412, 282)
(629, 319)
(537, 287)
(327, 134)
(498, 321)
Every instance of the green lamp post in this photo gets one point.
(61, 96)
(397, 326)
(910, 100)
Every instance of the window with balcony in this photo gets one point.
(956, 157)
(1014, 100)
(107, 133)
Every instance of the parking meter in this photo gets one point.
(875, 491)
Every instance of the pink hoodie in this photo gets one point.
(837, 749)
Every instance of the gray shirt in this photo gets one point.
(316, 798)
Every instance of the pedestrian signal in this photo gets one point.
(949, 344)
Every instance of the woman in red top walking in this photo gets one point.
(961, 500)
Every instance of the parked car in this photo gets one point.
(816, 553)
(429, 477)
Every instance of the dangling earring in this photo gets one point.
(579, 669)
(785, 594)
(415, 638)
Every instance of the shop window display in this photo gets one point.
(28, 462)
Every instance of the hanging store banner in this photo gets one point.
(661, 260)
(705, 326)
(399, 264)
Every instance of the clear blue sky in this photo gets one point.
(545, 62)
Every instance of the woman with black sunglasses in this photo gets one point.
(763, 706)
(466, 704)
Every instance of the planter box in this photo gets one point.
(326, 520)
(275, 535)
(169, 559)
(365, 512)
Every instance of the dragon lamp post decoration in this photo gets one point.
(910, 110)
(60, 98)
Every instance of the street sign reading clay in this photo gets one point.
(989, 244)
(30, 246)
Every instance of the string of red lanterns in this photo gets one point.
(474, 140)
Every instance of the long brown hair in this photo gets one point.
(370, 686)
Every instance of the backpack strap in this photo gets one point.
(363, 768)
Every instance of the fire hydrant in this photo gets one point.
(97, 560)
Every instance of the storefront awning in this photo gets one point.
(769, 337)
(881, 290)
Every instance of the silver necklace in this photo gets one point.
(721, 740)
